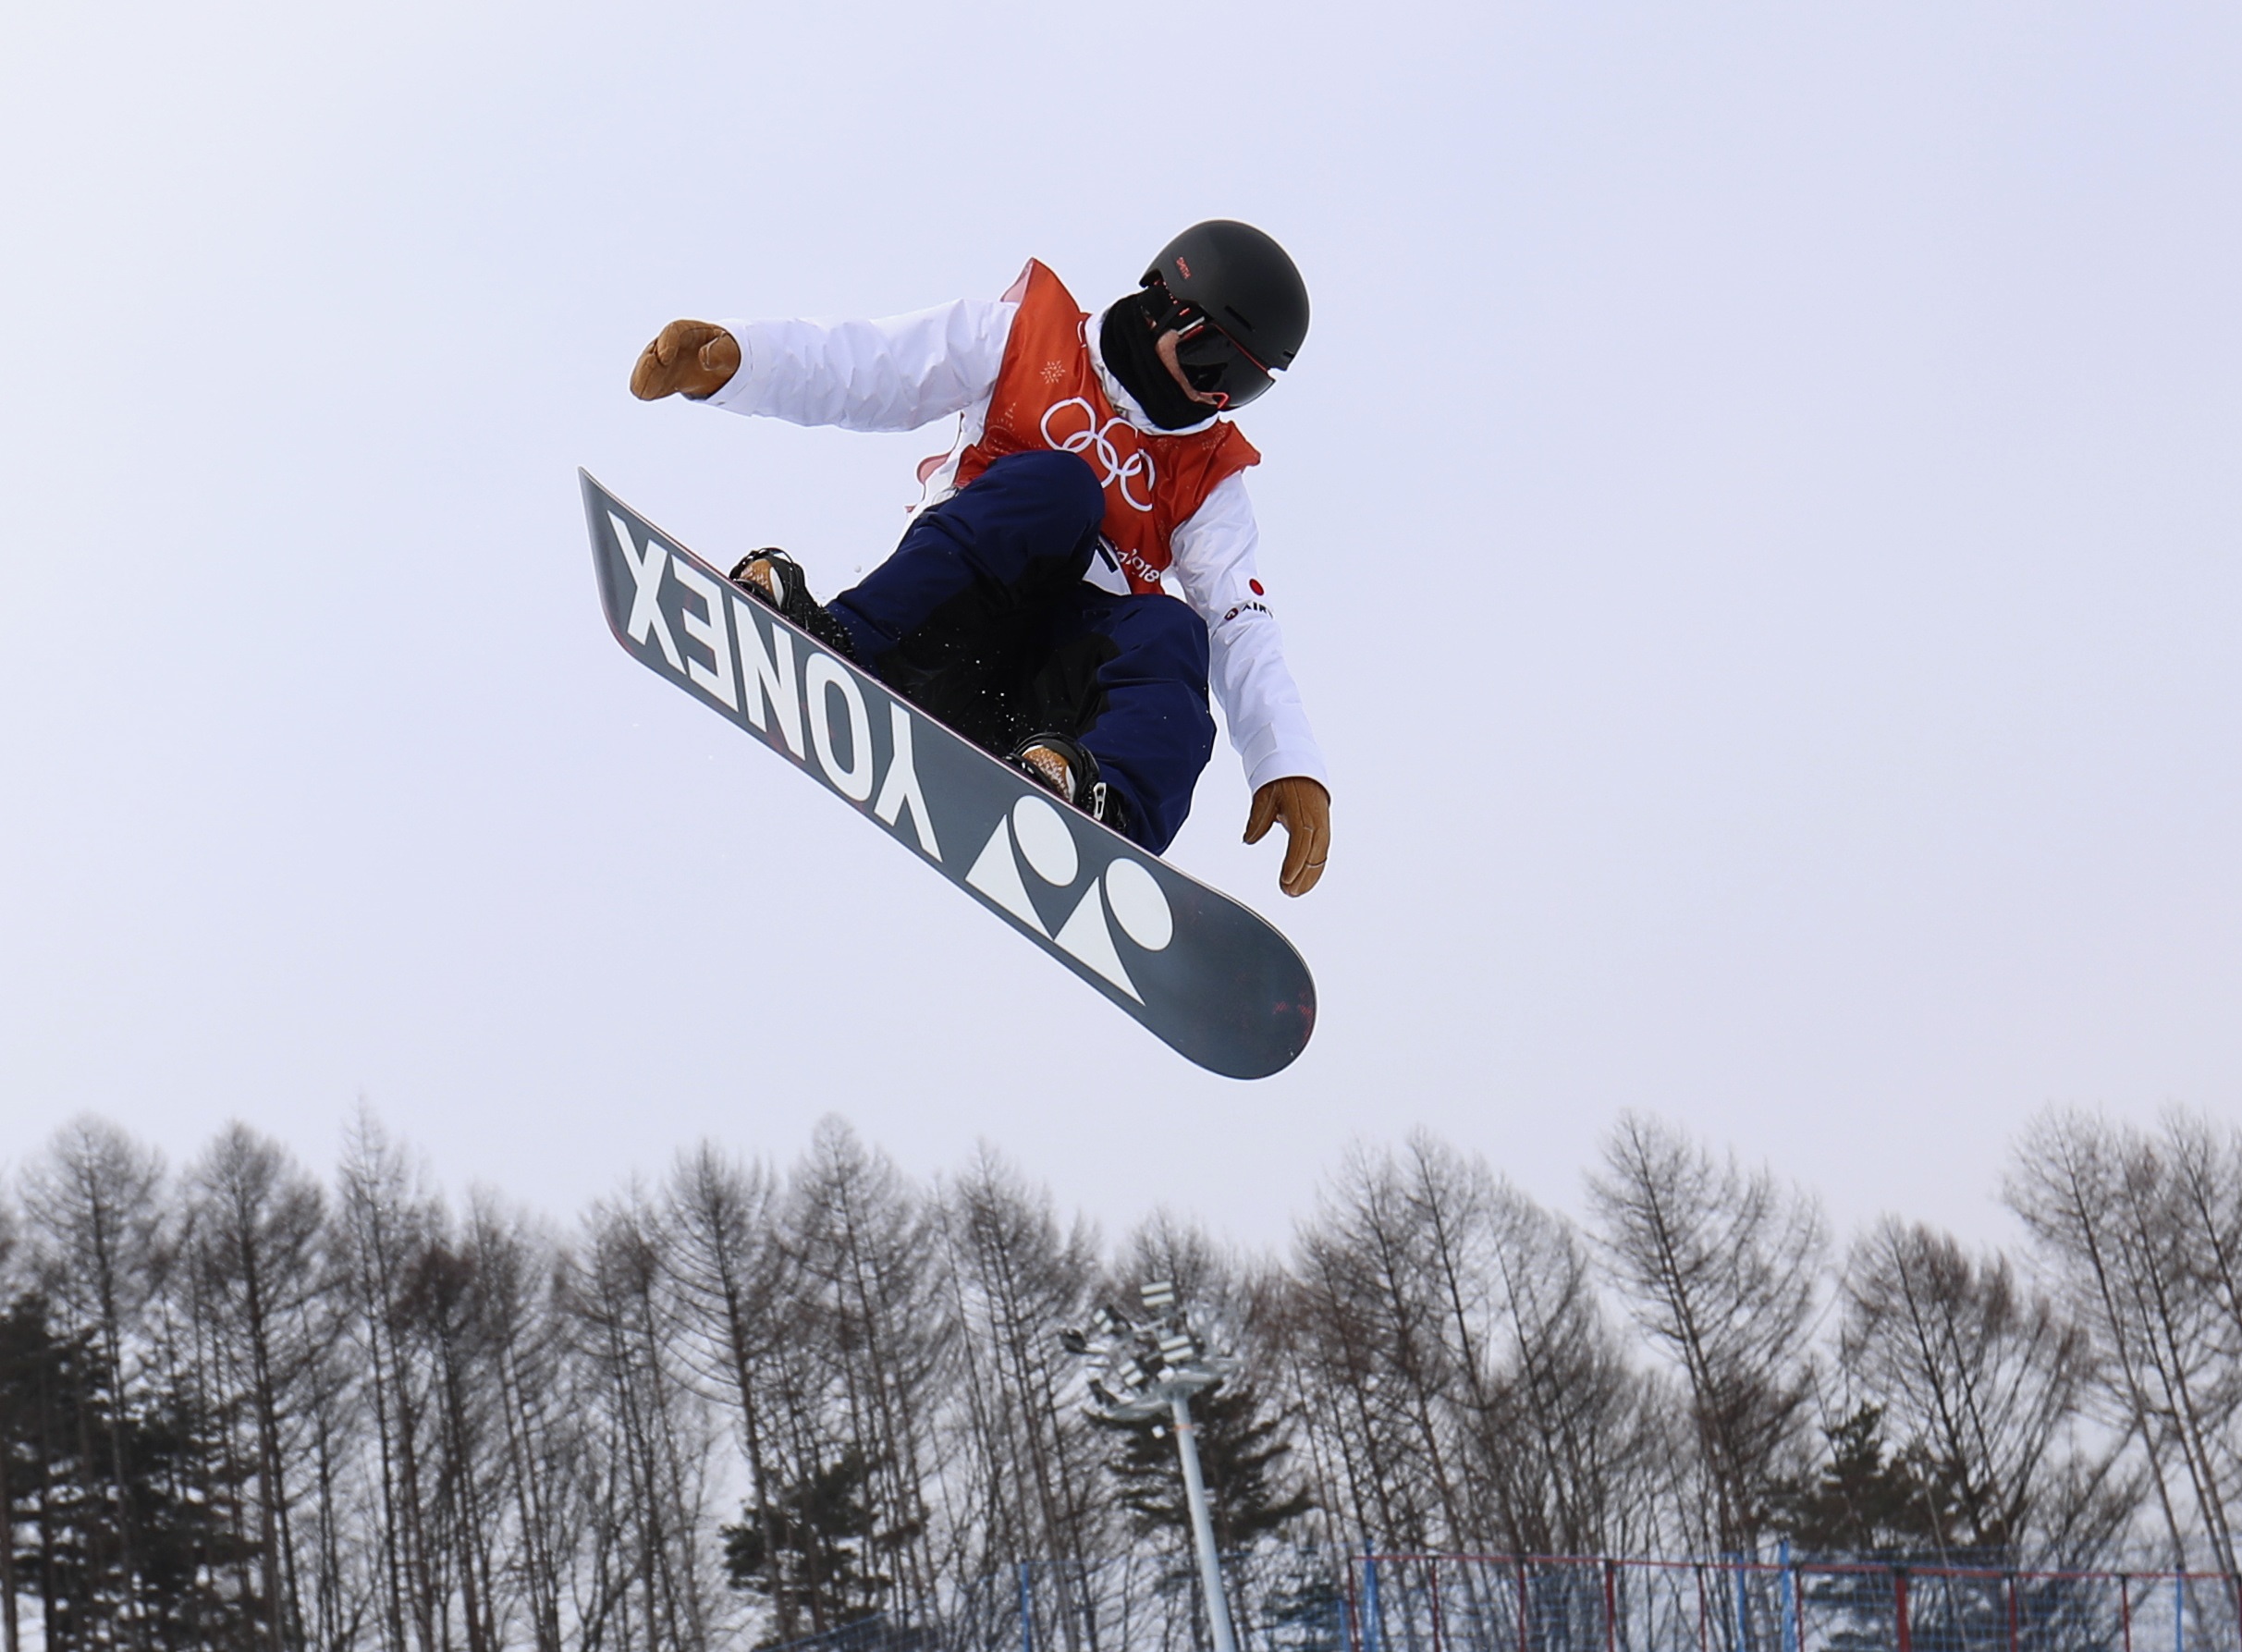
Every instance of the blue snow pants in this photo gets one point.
(982, 616)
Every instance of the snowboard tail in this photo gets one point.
(1209, 977)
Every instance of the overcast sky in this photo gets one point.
(1758, 522)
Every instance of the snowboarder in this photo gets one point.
(1024, 605)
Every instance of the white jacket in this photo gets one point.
(903, 371)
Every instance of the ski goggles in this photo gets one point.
(1213, 362)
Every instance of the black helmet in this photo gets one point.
(1237, 303)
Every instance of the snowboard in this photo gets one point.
(1208, 977)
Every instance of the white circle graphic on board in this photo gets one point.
(1138, 903)
(1045, 840)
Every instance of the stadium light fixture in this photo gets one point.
(1145, 1369)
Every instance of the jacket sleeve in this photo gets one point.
(1214, 555)
(894, 373)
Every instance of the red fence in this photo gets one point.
(1487, 1603)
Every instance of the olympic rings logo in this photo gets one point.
(1120, 473)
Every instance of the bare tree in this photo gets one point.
(2139, 1241)
(1722, 1267)
(384, 1220)
(1384, 1325)
(734, 1279)
(1018, 1278)
(440, 1319)
(253, 1221)
(1458, 1380)
(536, 1457)
(2203, 1193)
(1979, 1379)
(1571, 1436)
(655, 1427)
(1326, 1329)
(873, 1295)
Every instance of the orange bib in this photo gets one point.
(1047, 395)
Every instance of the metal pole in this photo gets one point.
(1790, 1619)
(1202, 1527)
(1027, 1609)
(1374, 1621)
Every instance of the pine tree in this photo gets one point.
(62, 1444)
(824, 1527)
(188, 1489)
(42, 1379)
(1862, 1502)
(1240, 1447)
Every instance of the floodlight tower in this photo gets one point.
(1148, 1366)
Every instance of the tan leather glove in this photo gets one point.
(1306, 808)
(696, 357)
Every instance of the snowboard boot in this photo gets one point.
(773, 579)
(1062, 767)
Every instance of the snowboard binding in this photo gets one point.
(775, 580)
(1064, 767)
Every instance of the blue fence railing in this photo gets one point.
(1307, 1601)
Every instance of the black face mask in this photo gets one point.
(1125, 338)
